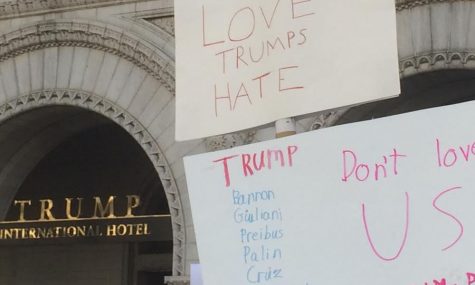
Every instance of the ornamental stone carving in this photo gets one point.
(167, 24)
(95, 36)
(328, 119)
(430, 60)
(229, 140)
(15, 8)
(408, 4)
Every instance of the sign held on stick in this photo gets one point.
(240, 64)
(387, 201)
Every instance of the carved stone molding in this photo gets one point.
(177, 280)
(166, 23)
(429, 61)
(229, 140)
(408, 4)
(11, 9)
(18, 8)
(328, 119)
(57, 34)
(112, 111)
(159, 21)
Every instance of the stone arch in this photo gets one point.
(90, 35)
(31, 77)
(101, 106)
(435, 35)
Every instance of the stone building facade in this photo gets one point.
(71, 68)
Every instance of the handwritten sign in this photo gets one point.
(388, 201)
(244, 63)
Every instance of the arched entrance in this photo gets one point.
(55, 147)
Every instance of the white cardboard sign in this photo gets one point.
(389, 201)
(244, 63)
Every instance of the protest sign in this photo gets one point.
(245, 63)
(387, 201)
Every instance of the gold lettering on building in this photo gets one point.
(133, 201)
(127, 230)
(74, 209)
(109, 217)
(46, 206)
(22, 203)
(69, 216)
(103, 210)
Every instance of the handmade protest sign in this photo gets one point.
(388, 201)
(245, 63)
